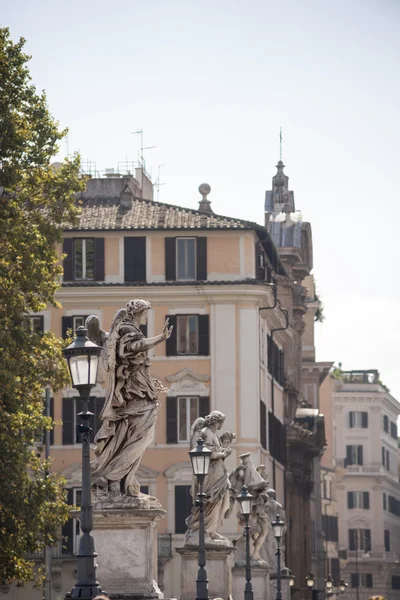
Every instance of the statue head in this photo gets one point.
(137, 310)
(215, 417)
(271, 493)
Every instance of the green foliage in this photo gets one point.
(35, 199)
(319, 313)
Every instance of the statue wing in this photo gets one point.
(95, 332)
(112, 340)
(195, 430)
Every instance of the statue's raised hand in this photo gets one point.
(167, 331)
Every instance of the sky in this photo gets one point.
(210, 83)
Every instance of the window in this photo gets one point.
(326, 488)
(395, 582)
(183, 507)
(393, 430)
(358, 419)
(188, 334)
(358, 500)
(387, 540)
(188, 411)
(84, 260)
(186, 258)
(72, 323)
(277, 438)
(70, 408)
(330, 528)
(275, 358)
(181, 412)
(361, 580)
(134, 258)
(360, 539)
(144, 489)
(71, 529)
(263, 424)
(36, 324)
(394, 506)
(333, 569)
(384, 498)
(354, 455)
(386, 423)
(386, 458)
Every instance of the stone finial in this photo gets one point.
(205, 204)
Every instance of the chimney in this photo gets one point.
(205, 204)
(126, 197)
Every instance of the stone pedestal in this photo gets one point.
(285, 587)
(219, 562)
(259, 582)
(125, 539)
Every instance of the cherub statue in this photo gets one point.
(130, 408)
(216, 484)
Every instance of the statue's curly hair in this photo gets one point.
(136, 306)
(214, 417)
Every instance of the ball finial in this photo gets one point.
(204, 189)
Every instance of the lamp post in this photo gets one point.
(292, 579)
(83, 359)
(245, 500)
(329, 585)
(278, 527)
(200, 459)
(342, 586)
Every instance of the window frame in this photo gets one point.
(188, 417)
(39, 319)
(84, 259)
(185, 239)
(76, 528)
(179, 319)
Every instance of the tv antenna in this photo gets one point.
(280, 144)
(158, 182)
(142, 148)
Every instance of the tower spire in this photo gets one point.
(280, 144)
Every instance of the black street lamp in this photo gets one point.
(329, 585)
(245, 500)
(83, 360)
(342, 586)
(200, 459)
(278, 526)
(292, 579)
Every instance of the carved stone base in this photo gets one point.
(126, 542)
(219, 571)
(285, 587)
(259, 581)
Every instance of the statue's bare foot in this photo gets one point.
(217, 536)
(115, 488)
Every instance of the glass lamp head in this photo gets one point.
(245, 500)
(83, 360)
(200, 459)
(278, 526)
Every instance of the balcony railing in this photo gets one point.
(164, 545)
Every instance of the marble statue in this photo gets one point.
(131, 404)
(259, 521)
(216, 483)
(269, 548)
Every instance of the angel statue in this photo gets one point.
(216, 484)
(131, 404)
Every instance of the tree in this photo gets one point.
(35, 200)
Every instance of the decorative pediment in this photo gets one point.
(189, 380)
(73, 475)
(146, 473)
(181, 471)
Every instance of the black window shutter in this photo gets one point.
(387, 540)
(260, 263)
(364, 420)
(99, 259)
(201, 244)
(352, 539)
(171, 342)
(135, 258)
(383, 456)
(360, 455)
(350, 500)
(366, 499)
(172, 420)
(335, 570)
(263, 424)
(351, 419)
(204, 335)
(143, 329)
(68, 266)
(368, 580)
(354, 580)
(367, 540)
(68, 528)
(68, 433)
(204, 406)
(170, 259)
(349, 460)
(66, 323)
(183, 507)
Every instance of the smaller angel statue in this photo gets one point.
(216, 484)
(130, 408)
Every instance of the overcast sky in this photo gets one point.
(211, 82)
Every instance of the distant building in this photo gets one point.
(368, 488)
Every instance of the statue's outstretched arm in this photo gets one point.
(146, 344)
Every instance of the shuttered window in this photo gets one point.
(135, 259)
(387, 540)
(276, 364)
(358, 500)
(72, 323)
(263, 424)
(183, 507)
(358, 419)
(186, 258)
(360, 539)
(354, 455)
(330, 528)
(190, 335)
(70, 408)
(84, 259)
(181, 412)
(277, 438)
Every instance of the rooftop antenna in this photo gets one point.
(142, 148)
(280, 144)
(158, 183)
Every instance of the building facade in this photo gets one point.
(367, 483)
